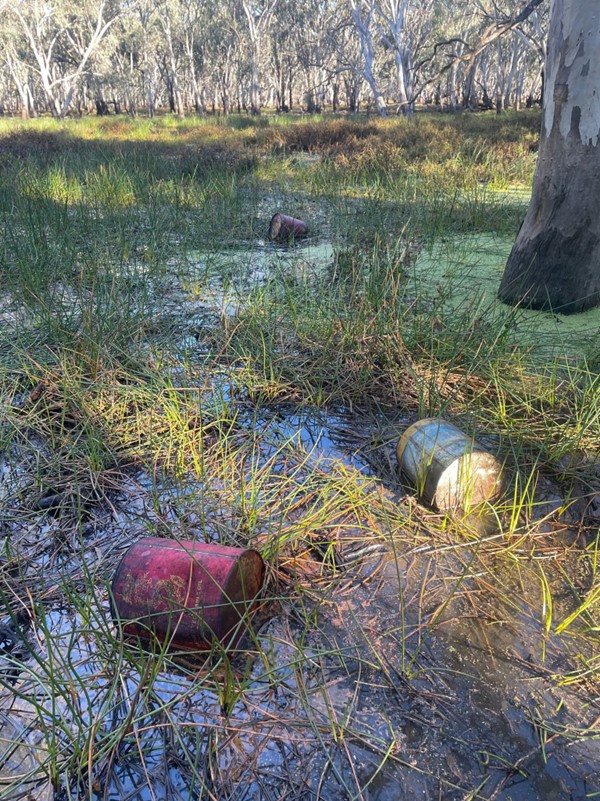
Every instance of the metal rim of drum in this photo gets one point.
(275, 226)
(453, 491)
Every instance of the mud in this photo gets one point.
(382, 697)
(400, 669)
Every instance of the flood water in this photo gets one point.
(401, 668)
(381, 698)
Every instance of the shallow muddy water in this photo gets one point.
(390, 661)
(474, 699)
(467, 270)
(376, 694)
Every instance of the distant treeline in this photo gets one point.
(198, 56)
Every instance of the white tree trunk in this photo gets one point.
(366, 47)
(147, 78)
(173, 68)
(393, 16)
(258, 22)
(555, 262)
(20, 80)
(59, 89)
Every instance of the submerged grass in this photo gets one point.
(156, 358)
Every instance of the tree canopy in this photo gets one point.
(64, 56)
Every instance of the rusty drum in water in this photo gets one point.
(186, 593)
(283, 228)
(449, 469)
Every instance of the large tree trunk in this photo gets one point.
(555, 261)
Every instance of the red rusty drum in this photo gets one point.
(188, 594)
(283, 228)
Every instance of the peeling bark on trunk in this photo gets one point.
(555, 261)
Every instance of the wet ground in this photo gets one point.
(468, 269)
(388, 662)
(415, 680)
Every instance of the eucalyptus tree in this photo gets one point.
(102, 85)
(60, 39)
(403, 27)
(536, 32)
(519, 62)
(555, 261)
(17, 68)
(346, 74)
(221, 36)
(510, 53)
(258, 14)
(143, 52)
(126, 58)
(170, 50)
(513, 54)
(363, 15)
(309, 51)
(286, 45)
(284, 51)
(193, 18)
(146, 15)
(500, 18)
(348, 59)
(487, 49)
(497, 19)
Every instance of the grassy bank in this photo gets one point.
(164, 370)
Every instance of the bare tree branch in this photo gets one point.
(501, 26)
